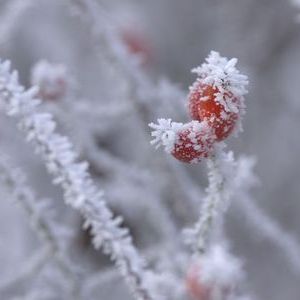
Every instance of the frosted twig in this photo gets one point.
(243, 180)
(214, 204)
(141, 91)
(104, 276)
(30, 269)
(15, 181)
(48, 76)
(79, 189)
(100, 160)
(210, 209)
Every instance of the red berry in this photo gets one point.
(195, 288)
(200, 290)
(193, 143)
(204, 105)
(137, 44)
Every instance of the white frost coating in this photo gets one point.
(79, 189)
(220, 268)
(166, 134)
(105, 162)
(223, 75)
(219, 191)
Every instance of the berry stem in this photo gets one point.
(211, 205)
(211, 213)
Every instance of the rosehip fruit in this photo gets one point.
(193, 143)
(137, 44)
(221, 113)
(195, 288)
(200, 290)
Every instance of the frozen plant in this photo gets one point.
(216, 104)
(217, 96)
(72, 113)
(101, 97)
(79, 189)
(186, 142)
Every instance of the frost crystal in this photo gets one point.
(219, 267)
(223, 75)
(165, 133)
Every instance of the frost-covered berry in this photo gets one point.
(217, 95)
(193, 143)
(214, 275)
(51, 79)
(137, 44)
(189, 143)
(195, 288)
(198, 289)
(203, 106)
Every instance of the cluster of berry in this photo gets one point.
(215, 103)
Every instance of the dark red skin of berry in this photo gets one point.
(212, 111)
(184, 149)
